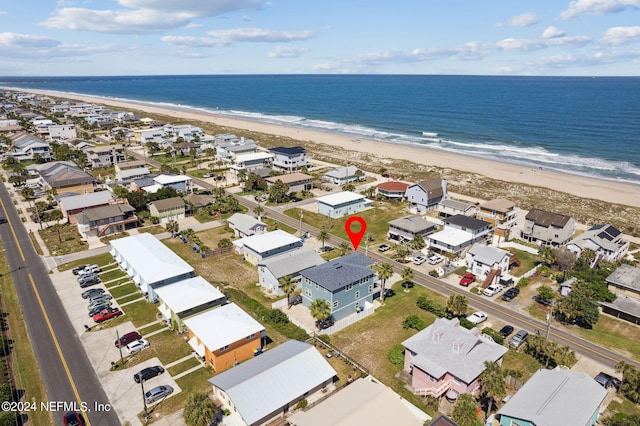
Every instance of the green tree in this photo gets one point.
(173, 226)
(385, 271)
(199, 410)
(224, 243)
(28, 193)
(548, 254)
(288, 286)
(465, 411)
(138, 200)
(407, 277)
(546, 295)
(323, 236)
(579, 307)
(278, 192)
(588, 256)
(258, 211)
(415, 322)
(320, 310)
(348, 187)
(457, 304)
(400, 254)
(17, 180)
(630, 381)
(565, 259)
(418, 242)
(344, 248)
(493, 386)
(53, 215)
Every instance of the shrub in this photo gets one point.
(496, 336)
(325, 338)
(466, 323)
(560, 278)
(302, 404)
(431, 306)
(396, 354)
(544, 271)
(415, 322)
(523, 282)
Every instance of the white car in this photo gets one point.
(492, 290)
(434, 259)
(477, 317)
(136, 346)
(419, 260)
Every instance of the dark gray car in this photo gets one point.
(157, 393)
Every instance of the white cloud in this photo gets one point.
(511, 44)
(143, 16)
(185, 41)
(523, 20)
(13, 45)
(597, 7)
(552, 32)
(3, 12)
(259, 35)
(287, 52)
(14, 40)
(621, 35)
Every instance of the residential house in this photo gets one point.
(228, 150)
(251, 161)
(244, 225)
(502, 214)
(187, 149)
(62, 132)
(547, 228)
(125, 177)
(187, 132)
(443, 420)
(168, 209)
(106, 220)
(489, 264)
(70, 206)
(289, 158)
(346, 282)
(268, 386)
(625, 280)
(197, 201)
(149, 263)
(186, 298)
(365, 402)
(393, 190)
(605, 240)
(261, 246)
(424, 196)
(555, 397)
(27, 147)
(459, 233)
(291, 264)
(297, 181)
(406, 228)
(131, 164)
(342, 204)
(446, 358)
(181, 183)
(344, 175)
(64, 176)
(144, 136)
(451, 207)
(225, 336)
(105, 156)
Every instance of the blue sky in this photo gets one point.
(143, 37)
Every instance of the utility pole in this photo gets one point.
(144, 401)
(120, 348)
(300, 226)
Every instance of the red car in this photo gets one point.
(73, 418)
(467, 279)
(107, 314)
(125, 339)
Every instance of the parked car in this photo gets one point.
(419, 260)
(434, 259)
(477, 317)
(98, 297)
(85, 277)
(518, 339)
(97, 303)
(77, 270)
(73, 418)
(384, 247)
(467, 279)
(148, 373)
(89, 282)
(87, 294)
(157, 394)
(107, 314)
(3, 219)
(99, 308)
(127, 338)
(91, 269)
(136, 346)
(492, 290)
(506, 330)
(607, 381)
(510, 294)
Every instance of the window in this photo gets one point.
(357, 295)
(249, 337)
(348, 287)
(456, 381)
(317, 286)
(224, 348)
(307, 291)
(335, 304)
(370, 288)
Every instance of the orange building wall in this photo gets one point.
(79, 189)
(237, 352)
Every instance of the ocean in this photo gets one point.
(580, 125)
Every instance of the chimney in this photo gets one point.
(444, 188)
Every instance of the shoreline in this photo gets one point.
(587, 187)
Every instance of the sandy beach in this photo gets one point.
(600, 189)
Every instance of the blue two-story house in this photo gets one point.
(345, 282)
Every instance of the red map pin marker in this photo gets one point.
(355, 237)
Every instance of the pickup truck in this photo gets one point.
(492, 290)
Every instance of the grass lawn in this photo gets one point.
(272, 225)
(100, 259)
(116, 283)
(615, 334)
(527, 261)
(153, 327)
(129, 298)
(620, 404)
(153, 229)
(124, 290)
(67, 241)
(112, 275)
(26, 372)
(139, 313)
(521, 362)
(183, 366)
(377, 220)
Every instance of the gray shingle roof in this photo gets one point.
(103, 212)
(546, 218)
(292, 263)
(244, 223)
(626, 276)
(341, 271)
(342, 172)
(87, 200)
(487, 255)
(412, 224)
(466, 222)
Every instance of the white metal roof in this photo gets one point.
(137, 171)
(151, 259)
(253, 156)
(487, 255)
(223, 326)
(188, 294)
(167, 179)
(340, 198)
(268, 241)
(451, 236)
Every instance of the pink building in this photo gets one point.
(446, 358)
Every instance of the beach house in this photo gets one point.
(168, 209)
(296, 181)
(251, 161)
(344, 175)
(489, 264)
(425, 195)
(289, 158)
(244, 225)
(262, 246)
(502, 214)
(342, 204)
(459, 233)
(65, 177)
(180, 183)
(346, 282)
(447, 359)
(75, 204)
(449, 207)
(393, 190)
(62, 132)
(291, 264)
(547, 228)
(406, 228)
(106, 220)
(105, 156)
(605, 240)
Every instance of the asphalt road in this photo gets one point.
(69, 378)
(478, 302)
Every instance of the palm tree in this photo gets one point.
(418, 242)
(493, 386)
(548, 254)
(385, 271)
(323, 236)
(199, 409)
(258, 211)
(173, 226)
(320, 310)
(464, 411)
(344, 248)
(288, 286)
(457, 304)
(407, 276)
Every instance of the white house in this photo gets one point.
(260, 247)
(547, 228)
(61, 132)
(343, 175)
(149, 263)
(296, 181)
(272, 269)
(605, 240)
(180, 183)
(252, 161)
(124, 177)
(425, 195)
(143, 136)
(342, 204)
(482, 259)
(459, 233)
(244, 225)
(289, 158)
